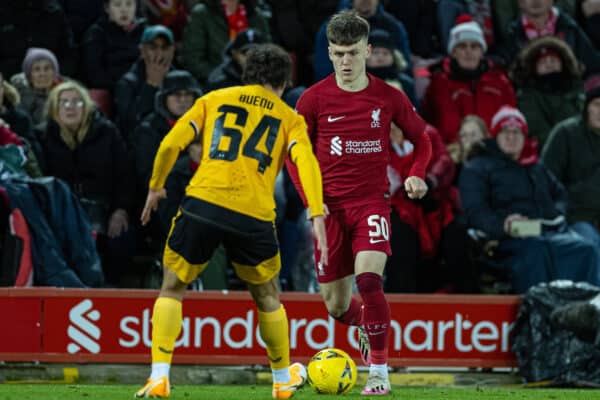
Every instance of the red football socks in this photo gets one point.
(376, 315)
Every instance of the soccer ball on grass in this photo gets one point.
(331, 371)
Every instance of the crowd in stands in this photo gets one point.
(510, 91)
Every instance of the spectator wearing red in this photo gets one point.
(173, 14)
(465, 82)
(425, 231)
(212, 25)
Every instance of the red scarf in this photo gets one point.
(237, 20)
(532, 32)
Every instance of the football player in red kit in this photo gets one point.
(349, 115)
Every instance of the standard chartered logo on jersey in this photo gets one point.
(336, 146)
(355, 146)
(82, 331)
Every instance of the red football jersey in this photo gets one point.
(350, 133)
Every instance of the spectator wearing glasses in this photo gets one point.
(83, 148)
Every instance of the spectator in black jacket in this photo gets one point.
(176, 183)
(387, 63)
(229, 72)
(177, 95)
(589, 16)
(111, 45)
(83, 148)
(134, 92)
(35, 23)
(521, 204)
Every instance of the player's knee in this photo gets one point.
(266, 295)
(171, 285)
(369, 282)
(336, 308)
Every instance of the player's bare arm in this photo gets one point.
(154, 196)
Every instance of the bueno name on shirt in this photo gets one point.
(257, 101)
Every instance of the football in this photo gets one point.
(331, 371)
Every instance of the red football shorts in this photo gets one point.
(350, 230)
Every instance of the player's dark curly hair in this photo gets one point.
(346, 28)
(267, 64)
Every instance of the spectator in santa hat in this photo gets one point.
(463, 83)
(523, 206)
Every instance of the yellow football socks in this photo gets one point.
(274, 332)
(166, 325)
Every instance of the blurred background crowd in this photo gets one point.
(510, 90)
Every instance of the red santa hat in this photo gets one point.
(466, 30)
(508, 117)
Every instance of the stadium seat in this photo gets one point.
(103, 100)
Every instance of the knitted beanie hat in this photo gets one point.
(36, 54)
(466, 30)
(508, 117)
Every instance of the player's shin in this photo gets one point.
(376, 316)
(274, 332)
(166, 326)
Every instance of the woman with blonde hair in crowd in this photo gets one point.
(85, 149)
(472, 130)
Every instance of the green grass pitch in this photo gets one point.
(263, 392)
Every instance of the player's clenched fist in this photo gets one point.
(415, 187)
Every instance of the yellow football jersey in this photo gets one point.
(246, 131)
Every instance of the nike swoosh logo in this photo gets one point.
(373, 241)
(274, 360)
(333, 119)
(165, 350)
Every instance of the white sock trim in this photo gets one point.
(382, 369)
(160, 369)
(281, 375)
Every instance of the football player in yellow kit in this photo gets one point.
(246, 133)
